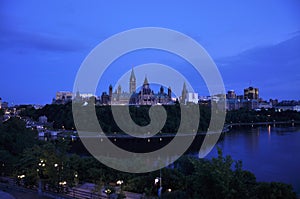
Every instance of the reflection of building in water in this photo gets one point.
(253, 142)
(145, 96)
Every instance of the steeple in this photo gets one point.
(184, 93)
(169, 92)
(110, 91)
(161, 90)
(146, 81)
(119, 89)
(132, 82)
(132, 75)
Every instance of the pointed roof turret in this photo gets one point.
(146, 81)
(184, 87)
(132, 75)
(183, 94)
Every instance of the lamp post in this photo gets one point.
(159, 179)
(20, 179)
(76, 178)
(120, 183)
(63, 185)
(107, 191)
(60, 183)
(57, 177)
(40, 170)
(2, 168)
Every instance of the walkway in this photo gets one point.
(4, 195)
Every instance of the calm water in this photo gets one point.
(271, 153)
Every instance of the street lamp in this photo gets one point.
(20, 178)
(62, 184)
(41, 166)
(159, 179)
(156, 180)
(120, 182)
(76, 178)
(108, 191)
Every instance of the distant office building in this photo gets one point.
(0, 102)
(265, 105)
(251, 93)
(86, 96)
(63, 97)
(233, 104)
(231, 95)
(192, 98)
(288, 105)
(240, 97)
(250, 99)
(250, 104)
(274, 102)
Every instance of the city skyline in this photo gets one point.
(252, 43)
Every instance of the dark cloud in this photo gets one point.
(12, 38)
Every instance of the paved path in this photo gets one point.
(16, 194)
(4, 195)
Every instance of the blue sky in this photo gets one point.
(43, 43)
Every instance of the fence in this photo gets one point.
(9, 183)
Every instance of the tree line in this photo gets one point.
(62, 117)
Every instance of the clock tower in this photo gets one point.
(132, 82)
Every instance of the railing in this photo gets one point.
(9, 183)
(80, 194)
(260, 123)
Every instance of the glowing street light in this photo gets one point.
(40, 171)
(120, 182)
(62, 183)
(21, 176)
(156, 180)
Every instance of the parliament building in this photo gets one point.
(146, 96)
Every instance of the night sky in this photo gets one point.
(43, 43)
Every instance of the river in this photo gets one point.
(272, 153)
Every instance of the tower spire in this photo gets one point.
(132, 75)
(183, 94)
(132, 82)
(146, 80)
